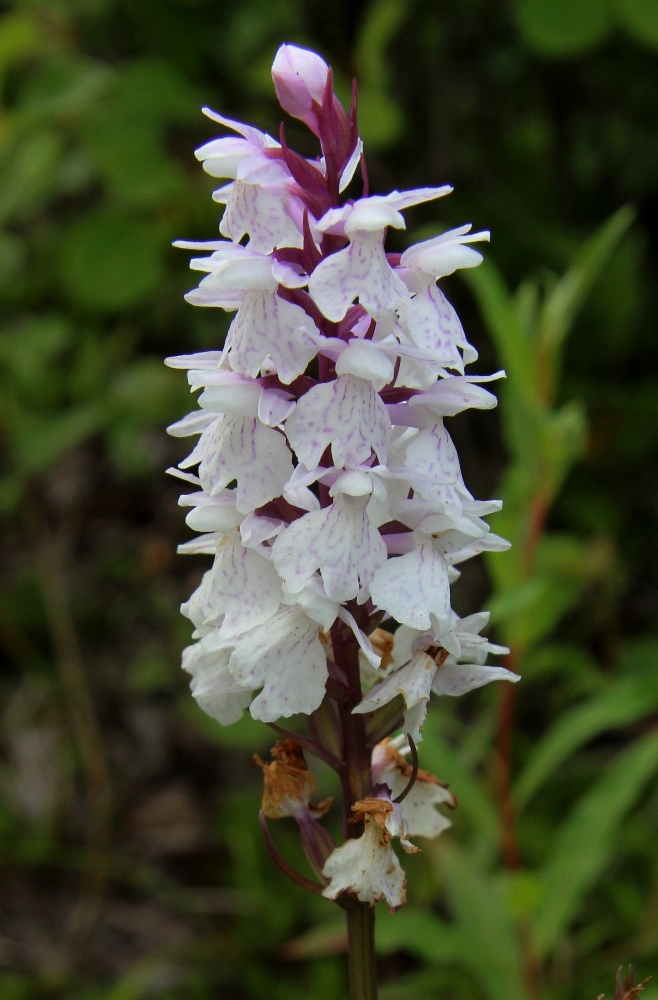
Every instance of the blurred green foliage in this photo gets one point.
(132, 864)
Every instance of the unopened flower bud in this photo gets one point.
(300, 78)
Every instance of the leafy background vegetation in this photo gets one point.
(130, 858)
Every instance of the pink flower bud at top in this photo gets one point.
(300, 78)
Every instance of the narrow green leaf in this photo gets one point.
(586, 841)
(490, 947)
(568, 295)
(507, 327)
(621, 704)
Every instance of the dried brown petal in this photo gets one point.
(378, 809)
(382, 642)
(288, 783)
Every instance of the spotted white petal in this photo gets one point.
(339, 541)
(253, 211)
(368, 867)
(444, 254)
(244, 449)
(241, 590)
(413, 586)
(274, 406)
(419, 807)
(348, 415)
(432, 323)
(432, 462)
(191, 424)
(360, 271)
(458, 678)
(232, 393)
(450, 396)
(413, 682)
(313, 599)
(213, 686)
(286, 659)
(255, 530)
(266, 325)
(203, 359)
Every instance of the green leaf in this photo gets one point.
(29, 174)
(12, 258)
(490, 947)
(152, 92)
(586, 841)
(562, 438)
(131, 158)
(640, 18)
(382, 21)
(567, 296)
(381, 121)
(622, 703)
(30, 347)
(420, 933)
(507, 327)
(576, 667)
(21, 37)
(640, 656)
(563, 27)
(39, 443)
(62, 87)
(246, 734)
(530, 612)
(149, 392)
(110, 261)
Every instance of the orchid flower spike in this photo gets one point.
(325, 487)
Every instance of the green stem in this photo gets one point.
(361, 944)
(357, 784)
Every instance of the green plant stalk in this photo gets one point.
(357, 784)
(361, 948)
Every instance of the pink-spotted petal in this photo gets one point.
(348, 415)
(458, 678)
(242, 590)
(339, 540)
(265, 326)
(244, 449)
(285, 657)
(367, 867)
(255, 212)
(360, 271)
(413, 586)
(213, 686)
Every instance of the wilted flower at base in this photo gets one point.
(289, 787)
(419, 807)
(367, 866)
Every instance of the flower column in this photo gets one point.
(329, 492)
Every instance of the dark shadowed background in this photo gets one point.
(130, 857)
